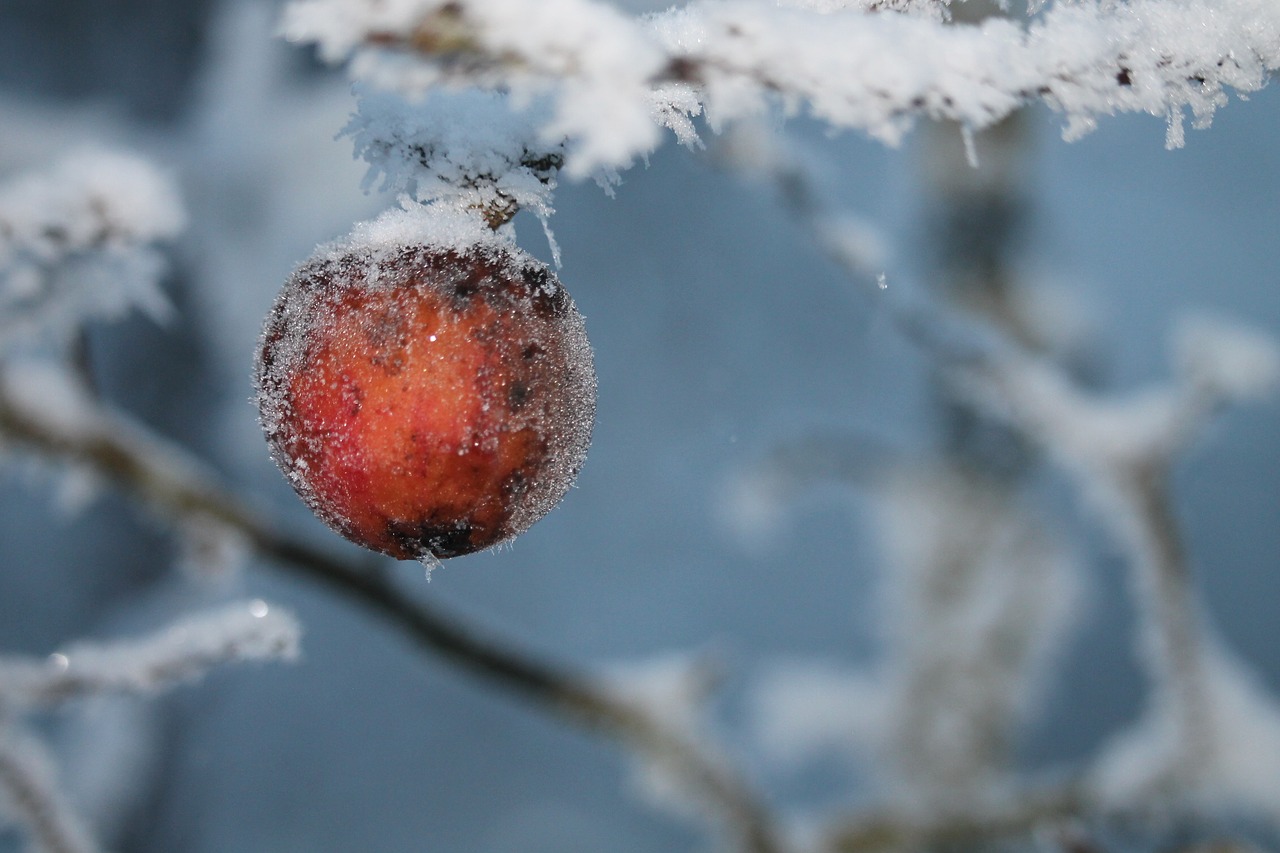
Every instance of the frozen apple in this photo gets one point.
(427, 402)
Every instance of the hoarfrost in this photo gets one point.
(472, 148)
(75, 243)
(1226, 360)
(586, 53)
(443, 227)
(730, 59)
(674, 689)
(978, 593)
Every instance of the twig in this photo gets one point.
(169, 480)
(182, 651)
(29, 793)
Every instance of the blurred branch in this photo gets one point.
(884, 831)
(181, 651)
(169, 480)
(31, 796)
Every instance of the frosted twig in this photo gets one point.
(978, 589)
(75, 242)
(473, 149)
(29, 793)
(167, 479)
(1122, 454)
(180, 652)
(874, 73)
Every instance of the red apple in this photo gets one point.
(427, 402)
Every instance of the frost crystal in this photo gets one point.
(470, 148)
(1239, 768)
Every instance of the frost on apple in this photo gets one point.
(427, 400)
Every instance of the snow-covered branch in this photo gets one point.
(614, 81)
(180, 652)
(1122, 452)
(75, 242)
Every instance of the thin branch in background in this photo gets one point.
(47, 415)
(30, 795)
(1122, 454)
(182, 651)
(977, 590)
(1030, 811)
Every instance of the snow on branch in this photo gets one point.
(614, 79)
(472, 148)
(185, 650)
(1122, 453)
(75, 242)
(600, 59)
(876, 72)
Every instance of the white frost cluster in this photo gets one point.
(1218, 362)
(471, 148)
(75, 243)
(613, 80)
(1225, 360)
(804, 710)
(674, 690)
(411, 224)
(589, 54)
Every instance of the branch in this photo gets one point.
(74, 429)
(29, 793)
(180, 652)
(614, 79)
